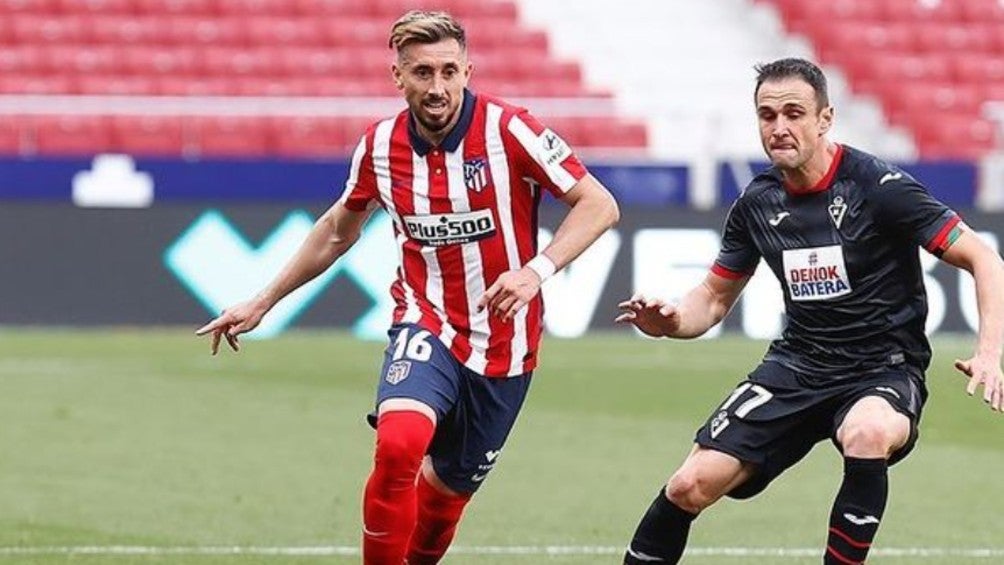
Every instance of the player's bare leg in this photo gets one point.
(439, 512)
(404, 430)
(869, 434)
(705, 476)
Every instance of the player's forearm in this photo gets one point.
(699, 311)
(585, 223)
(322, 247)
(988, 272)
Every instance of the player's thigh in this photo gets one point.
(469, 441)
(418, 373)
(770, 421)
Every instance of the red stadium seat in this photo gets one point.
(954, 137)
(347, 9)
(982, 11)
(179, 7)
(835, 40)
(276, 86)
(906, 101)
(367, 33)
(161, 61)
(28, 6)
(230, 136)
(72, 135)
(95, 6)
(12, 135)
(48, 29)
(243, 8)
(916, 10)
(977, 68)
(83, 59)
(170, 85)
(126, 31)
(148, 135)
(205, 30)
(962, 38)
(116, 85)
(310, 137)
(22, 59)
(313, 61)
(237, 61)
(35, 84)
(275, 31)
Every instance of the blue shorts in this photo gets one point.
(474, 413)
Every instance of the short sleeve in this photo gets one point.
(907, 207)
(738, 256)
(547, 158)
(360, 189)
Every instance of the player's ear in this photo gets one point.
(395, 72)
(825, 120)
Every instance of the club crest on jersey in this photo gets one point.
(837, 211)
(398, 371)
(816, 273)
(720, 422)
(476, 174)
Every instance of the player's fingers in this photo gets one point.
(216, 323)
(626, 318)
(513, 308)
(489, 294)
(667, 310)
(997, 402)
(215, 346)
(232, 341)
(503, 305)
(974, 383)
(638, 298)
(963, 367)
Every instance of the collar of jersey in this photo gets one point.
(824, 183)
(452, 139)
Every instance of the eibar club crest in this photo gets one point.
(476, 174)
(837, 211)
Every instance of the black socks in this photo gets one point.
(661, 535)
(857, 511)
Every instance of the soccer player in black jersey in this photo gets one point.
(839, 229)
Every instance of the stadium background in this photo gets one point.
(159, 159)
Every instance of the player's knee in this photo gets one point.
(401, 442)
(869, 439)
(689, 491)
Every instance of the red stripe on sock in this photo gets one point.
(850, 541)
(841, 558)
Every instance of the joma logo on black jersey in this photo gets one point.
(438, 230)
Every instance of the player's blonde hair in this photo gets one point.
(418, 26)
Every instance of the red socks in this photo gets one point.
(438, 515)
(389, 501)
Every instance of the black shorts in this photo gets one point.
(774, 417)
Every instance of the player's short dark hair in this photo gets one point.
(419, 26)
(794, 68)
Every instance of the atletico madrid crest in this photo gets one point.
(476, 174)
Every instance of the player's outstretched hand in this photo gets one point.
(652, 316)
(987, 372)
(510, 292)
(234, 321)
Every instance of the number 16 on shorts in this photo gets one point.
(754, 396)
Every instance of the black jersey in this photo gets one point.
(846, 255)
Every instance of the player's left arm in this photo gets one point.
(593, 211)
(969, 252)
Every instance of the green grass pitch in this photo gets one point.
(139, 438)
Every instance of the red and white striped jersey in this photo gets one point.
(464, 212)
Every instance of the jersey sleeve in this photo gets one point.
(360, 191)
(909, 209)
(738, 256)
(545, 156)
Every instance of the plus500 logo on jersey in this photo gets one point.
(438, 230)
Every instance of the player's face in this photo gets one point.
(432, 77)
(791, 124)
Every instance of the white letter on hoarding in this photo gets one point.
(572, 294)
(670, 262)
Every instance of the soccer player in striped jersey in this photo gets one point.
(840, 229)
(461, 176)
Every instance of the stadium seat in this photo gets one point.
(71, 135)
(978, 11)
(43, 29)
(204, 30)
(275, 31)
(180, 7)
(229, 136)
(238, 61)
(22, 59)
(35, 84)
(954, 137)
(126, 31)
(917, 11)
(344, 9)
(82, 60)
(173, 85)
(148, 135)
(11, 135)
(115, 85)
(242, 8)
(310, 137)
(156, 61)
(937, 37)
(103, 7)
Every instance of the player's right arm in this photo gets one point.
(697, 312)
(332, 235)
